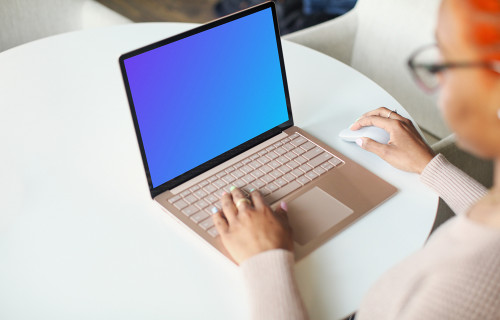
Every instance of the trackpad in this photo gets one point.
(313, 213)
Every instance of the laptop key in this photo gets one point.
(297, 172)
(213, 232)
(201, 204)
(284, 169)
(327, 166)
(303, 180)
(318, 160)
(289, 177)
(312, 153)
(211, 198)
(283, 159)
(272, 155)
(266, 169)
(301, 160)
(319, 170)
(185, 193)
(199, 216)
(293, 136)
(246, 169)
(190, 199)
(174, 199)
(305, 167)
(275, 174)
(220, 174)
(280, 151)
(255, 164)
(336, 161)
(274, 164)
(257, 173)
(308, 146)
(291, 155)
(207, 223)
(200, 194)
(265, 191)
(267, 179)
(297, 142)
(210, 188)
(239, 183)
(288, 146)
(189, 210)
(237, 174)
(248, 178)
(311, 175)
(181, 204)
(219, 184)
(258, 184)
(292, 164)
(228, 179)
(281, 182)
(203, 183)
(282, 192)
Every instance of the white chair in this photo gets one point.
(22, 21)
(376, 38)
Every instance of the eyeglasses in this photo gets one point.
(425, 66)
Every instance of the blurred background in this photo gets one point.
(293, 15)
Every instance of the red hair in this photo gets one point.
(484, 22)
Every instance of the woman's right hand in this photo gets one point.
(406, 149)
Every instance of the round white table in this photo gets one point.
(80, 237)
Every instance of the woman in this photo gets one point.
(457, 274)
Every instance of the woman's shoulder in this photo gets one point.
(486, 212)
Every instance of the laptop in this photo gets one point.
(211, 109)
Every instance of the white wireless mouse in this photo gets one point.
(374, 133)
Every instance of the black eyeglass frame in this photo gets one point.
(434, 68)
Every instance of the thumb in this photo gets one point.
(372, 146)
(282, 209)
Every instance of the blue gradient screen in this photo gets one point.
(203, 95)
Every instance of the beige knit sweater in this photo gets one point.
(456, 275)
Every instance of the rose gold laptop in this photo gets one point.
(211, 110)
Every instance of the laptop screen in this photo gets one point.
(201, 96)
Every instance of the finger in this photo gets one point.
(384, 112)
(240, 201)
(282, 209)
(257, 199)
(228, 207)
(384, 123)
(220, 223)
(373, 146)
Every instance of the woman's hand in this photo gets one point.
(406, 149)
(248, 229)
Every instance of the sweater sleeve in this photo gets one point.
(271, 286)
(454, 186)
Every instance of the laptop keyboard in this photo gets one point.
(275, 171)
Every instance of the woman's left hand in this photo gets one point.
(249, 227)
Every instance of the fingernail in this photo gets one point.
(358, 119)
(284, 206)
(252, 190)
(224, 193)
(214, 210)
(359, 142)
(352, 124)
(232, 188)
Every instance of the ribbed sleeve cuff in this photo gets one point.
(455, 187)
(271, 286)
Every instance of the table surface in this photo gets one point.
(80, 236)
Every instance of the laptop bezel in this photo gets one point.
(168, 185)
